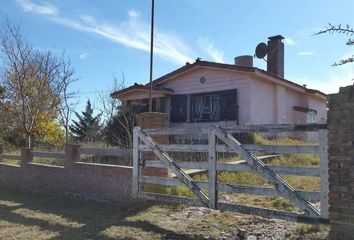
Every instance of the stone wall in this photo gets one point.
(93, 181)
(341, 163)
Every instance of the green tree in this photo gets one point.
(346, 30)
(48, 131)
(31, 82)
(87, 128)
(118, 131)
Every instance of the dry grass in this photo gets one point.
(254, 179)
(27, 216)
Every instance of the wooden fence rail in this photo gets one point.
(144, 142)
(62, 155)
(273, 149)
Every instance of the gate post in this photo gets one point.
(136, 160)
(212, 158)
(324, 188)
(341, 163)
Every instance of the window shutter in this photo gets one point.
(228, 105)
(178, 111)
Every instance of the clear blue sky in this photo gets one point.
(107, 37)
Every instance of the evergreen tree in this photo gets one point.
(87, 128)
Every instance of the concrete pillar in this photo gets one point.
(72, 154)
(341, 163)
(154, 120)
(26, 156)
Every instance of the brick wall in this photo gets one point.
(94, 181)
(154, 120)
(341, 163)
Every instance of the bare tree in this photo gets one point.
(116, 114)
(31, 79)
(67, 97)
(341, 29)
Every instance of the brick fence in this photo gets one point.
(341, 163)
(94, 181)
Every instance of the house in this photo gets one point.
(204, 93)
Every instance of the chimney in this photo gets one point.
(275, 59)
(245, 61)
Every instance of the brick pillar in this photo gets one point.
(154, 120)
(72, 154)
(26, 156)
(341, 163)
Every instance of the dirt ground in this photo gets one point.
(27, 216)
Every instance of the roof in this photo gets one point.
(215, 65)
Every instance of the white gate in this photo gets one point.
(221, 140)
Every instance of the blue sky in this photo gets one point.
(104, 38)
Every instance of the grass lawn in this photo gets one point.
(27, 216)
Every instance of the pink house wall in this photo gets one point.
(274, 103)
(216, 80)
(262, 99)
(262, 102)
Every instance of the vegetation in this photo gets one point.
(36, 100)
(119, 117)
(26, 216)
(87, 128)
(255, 179)
(31, 90)
(347, 30)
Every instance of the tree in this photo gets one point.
(87, 128)
(48, 131)
(32, 80)
(347, 30)
(67, 105)
(119, 118)
(119, 129)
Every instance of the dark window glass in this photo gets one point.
(212, 107)
(178, 111)
(205, 108)
(229, 107)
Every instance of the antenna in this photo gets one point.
(261, 50)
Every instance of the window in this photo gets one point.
(213, 107)
(178, 112)
(205, 108)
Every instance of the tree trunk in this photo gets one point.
(66, 135)
(29, 143)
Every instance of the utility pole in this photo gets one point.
(151, 53)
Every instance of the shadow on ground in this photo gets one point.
(45, 217)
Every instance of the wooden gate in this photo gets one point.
(222, 140)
